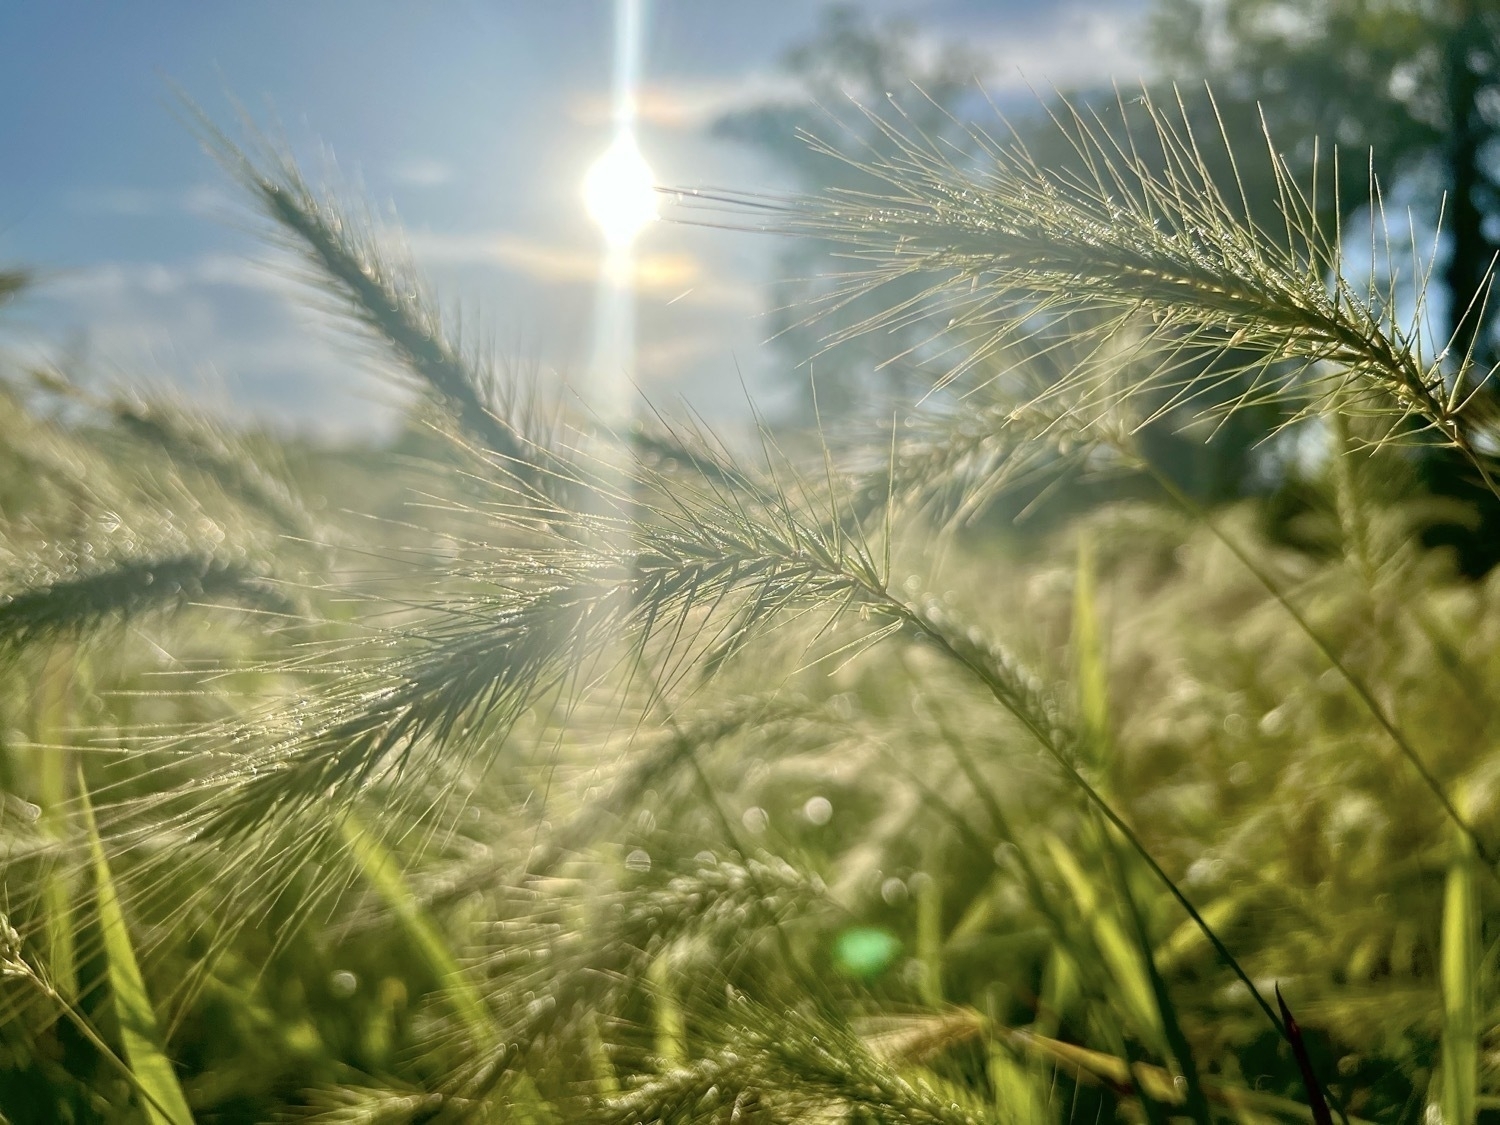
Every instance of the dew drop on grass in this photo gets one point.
(755, 820)
(343, 983)
(893, 890)
(639, 860)
(1274, 722)
(818, 810)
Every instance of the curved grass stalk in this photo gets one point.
(387, 298)
(1460, 975)
(76, 604)
(1137, 226)
(1126, 237)
(994, 669)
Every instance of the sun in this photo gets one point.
(619, 191)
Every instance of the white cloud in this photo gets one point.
(693, 103)
(202, 199)
(1079, 45)
(209, 200)
(122, 201)
(421, 171)
(234, 334)
(671, 357)
(220, 328)
(661, 275)
(1084, 46)
(106, 280)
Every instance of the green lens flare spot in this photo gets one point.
(865, 951)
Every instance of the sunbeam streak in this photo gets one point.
(620, 197)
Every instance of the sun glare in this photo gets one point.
(619, 191)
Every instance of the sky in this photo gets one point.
(468, 123)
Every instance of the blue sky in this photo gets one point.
(471, 120)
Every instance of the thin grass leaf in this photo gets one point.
(1460, 953)
(379, 867)
(156, 1079)
(669, 1020)
(1020, 1089)
(1194, 1097)
(929, 947)
(13, 966)
(1316, 1102)
(1090, 667)
(53, 725)
(1120, 957)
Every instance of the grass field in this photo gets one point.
(962, 769)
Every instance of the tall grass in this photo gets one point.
(622, 778)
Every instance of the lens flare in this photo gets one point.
(619, 191)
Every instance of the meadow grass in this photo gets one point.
(619, 776)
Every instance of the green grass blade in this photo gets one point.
(50, 765)
(1062, 992)
(382, 872)
(667, 1013)
(600, 1064)
(1195, 1100)
(1460, 983)
(1117, 954)
(929, 946)
(1020, 1086)
(1089, 665)
(155, 1079)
